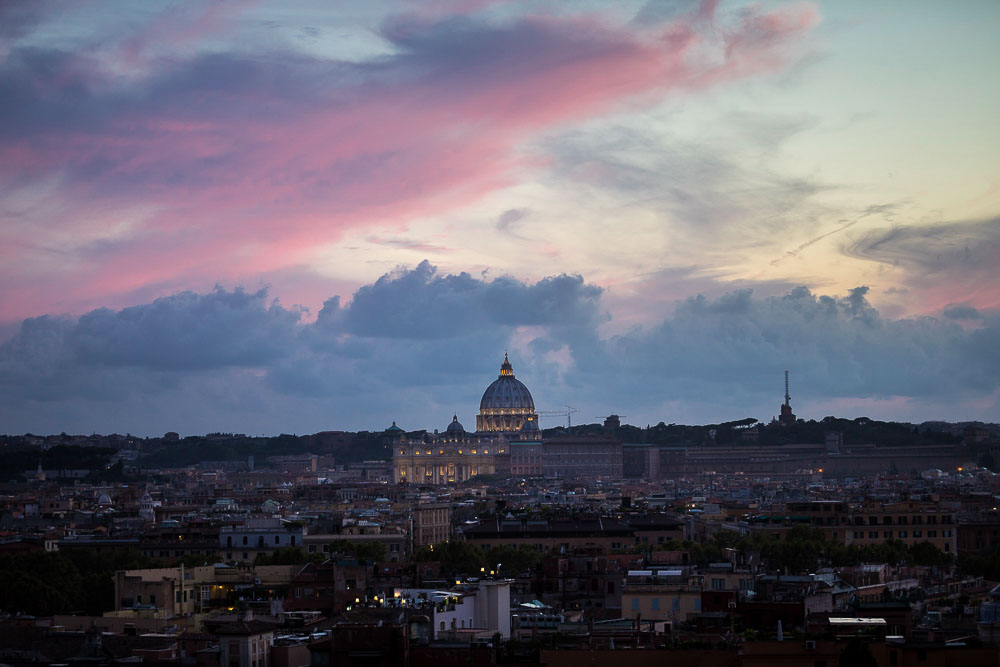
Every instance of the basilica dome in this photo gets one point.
(455, 427)
(506, 403)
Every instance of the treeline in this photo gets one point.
(856, 431)
(195, 449)
(16, 460)
(806, 549)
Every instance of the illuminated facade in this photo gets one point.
(450, 457)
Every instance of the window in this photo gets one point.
(676, 604)
(918, 533)
(277, 539)
(887, 534)
(635, 604)
(902, 534)
(931, 533)
(718, 583)
(244, 540)
(873, 534)
(656, 604)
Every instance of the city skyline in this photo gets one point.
(259, 218)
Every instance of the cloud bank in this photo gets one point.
(417, 345)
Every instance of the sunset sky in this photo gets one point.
(270, 217)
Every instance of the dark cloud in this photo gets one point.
(950, 262)
(421, 303)
(961, 311)
(187, 332)
(509, 218)
(969, 245)
(418, 345)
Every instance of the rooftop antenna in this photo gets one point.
(787, 397)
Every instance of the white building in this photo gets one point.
(467, 614)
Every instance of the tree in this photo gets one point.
(521, 559)
(926, 553)
(456, 558)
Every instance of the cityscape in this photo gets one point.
(791, 541)
(499, 332)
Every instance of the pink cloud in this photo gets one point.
(250, 176)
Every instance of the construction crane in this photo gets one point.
(567, 413)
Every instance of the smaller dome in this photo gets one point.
(394, 429)
(105, 499)
(454, 426)
(529, 426)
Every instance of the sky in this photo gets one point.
(292, 217)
